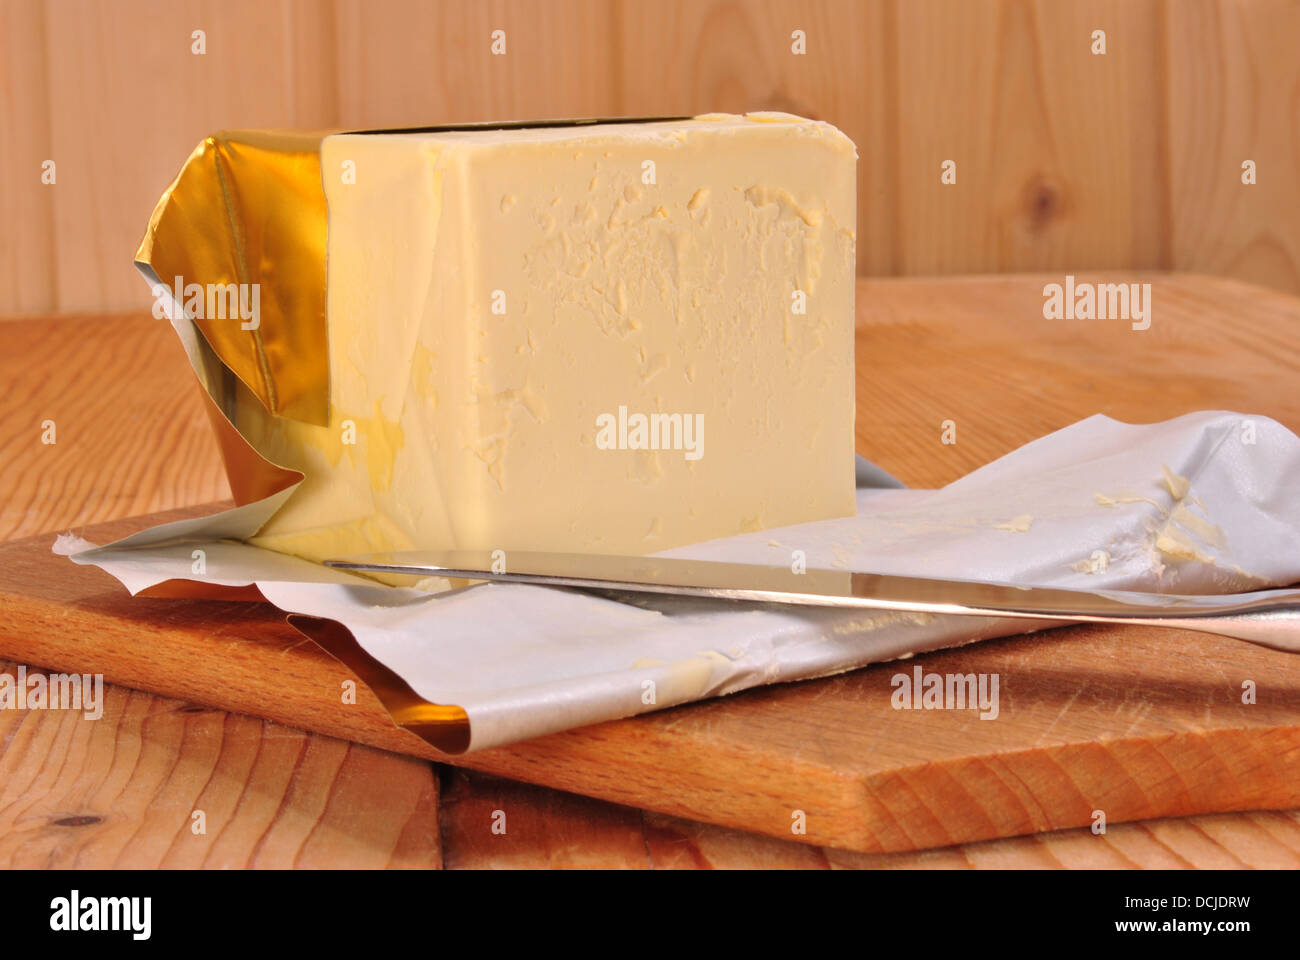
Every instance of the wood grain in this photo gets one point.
(559, 61)
(546, 828)
(1234, 95)
(1059, 152)
(978, 351)
(1266, 840)
(1065, 160)
(125, 90)
(155, 451)
(118, 792)
(28, 260)
(122, 790)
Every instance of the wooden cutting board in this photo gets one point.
(1131, 722)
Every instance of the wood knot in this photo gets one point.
(192, 708)
(1044, 202)
(82, 820)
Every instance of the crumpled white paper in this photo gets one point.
(1201, 504)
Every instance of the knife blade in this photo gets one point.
(1268, 617)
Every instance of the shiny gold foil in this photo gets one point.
(443, 727)
(251, 476)
(248, 208)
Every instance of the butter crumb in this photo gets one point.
(432, 585)
(1172, 542)
(1178, 486)
(1199, 527)
(1020, 524)
(786, 204)
(1097, 563)
(1106, 501)
(66, 544)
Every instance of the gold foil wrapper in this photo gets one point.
(248, 208)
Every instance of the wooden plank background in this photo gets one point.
(1065, 160)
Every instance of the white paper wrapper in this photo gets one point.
(1201, 504)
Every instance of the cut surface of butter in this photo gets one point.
(611, 338)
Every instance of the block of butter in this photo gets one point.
(613, 337)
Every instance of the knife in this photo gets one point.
(1268, 617)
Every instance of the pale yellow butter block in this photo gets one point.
(504, 304)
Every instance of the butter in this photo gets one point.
(1176, 485)
(605, 338)
(1020, 524)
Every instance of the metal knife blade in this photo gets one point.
(1270, 617)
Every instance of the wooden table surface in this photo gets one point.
(132, 439)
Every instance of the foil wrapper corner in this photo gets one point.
(248, 208)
